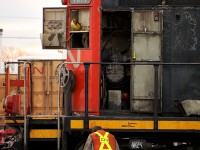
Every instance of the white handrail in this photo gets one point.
(25, 115)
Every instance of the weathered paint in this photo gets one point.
(163, 125)
(44, 87)
(122, 124)
(43, 133)
(91, 54)
(179, 125)
(54, 28)
(11, 121)
(76, 124)
(146, 46)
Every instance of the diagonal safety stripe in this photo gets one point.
(104, 141)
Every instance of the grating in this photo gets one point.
(135, 3)
(183, 2)
(139, 2)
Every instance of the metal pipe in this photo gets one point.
(25, 106)
(31, 89)
(156, 97)
(1, 57)
(86, 124)
(58, 125)
(58, 142)
(25, 117)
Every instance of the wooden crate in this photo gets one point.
(44, 88)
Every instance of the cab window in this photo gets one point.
(79, 28)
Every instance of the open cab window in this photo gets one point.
(79, 28)
(54, 28)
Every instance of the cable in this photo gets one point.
(10, 37)
(7, 17)
(20, 129)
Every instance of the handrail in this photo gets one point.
(156, 65)
(59, 66)
(58, 125)
(25, 118)
(86, 123)
(156, 97)
(25, 115)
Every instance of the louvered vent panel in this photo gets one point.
(135, 3)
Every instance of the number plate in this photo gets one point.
(80, 1)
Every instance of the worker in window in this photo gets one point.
(76, 26)
(99, 139)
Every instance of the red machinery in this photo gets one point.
(5, 136)
(11, 103)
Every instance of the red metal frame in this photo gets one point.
(91, 54)
(18, 83)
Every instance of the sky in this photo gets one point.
(21, 21)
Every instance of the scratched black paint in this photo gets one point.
(181, 44)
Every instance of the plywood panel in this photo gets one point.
(44, 87)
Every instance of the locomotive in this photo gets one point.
(132, 67)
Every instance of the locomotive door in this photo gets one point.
(146, 47)
(54, 28)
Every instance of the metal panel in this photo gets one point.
(54, 28)
(110, 3)
(139, 2)
(191, 107)
(147, 21)
(114, 99)
(183, 2)
(143, 88)
(148, 3)
(146, 46)
(143, 82)
(80, 2)
(181, 45)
